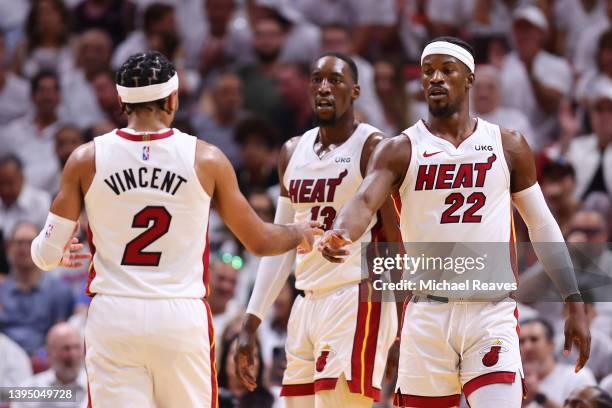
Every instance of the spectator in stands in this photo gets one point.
(31, 138)
(572, 18)
(259, 88)
(586, 49)
(338, 38)
(67, 138)
(372, 21)
(46, 44)
(592, 260)
(533, 80)
(258, 148)
(15, 366)
(220, 113)
(302, 38)
(219, 45)
(600, 359)
(108, 100)
(488, 97)
(115, 17)
(65, 351)
(30, 300)
(224, 272)
(14, 91)
(18, 200)
(558, 181)
(591, 155)
(93, 55)
(602, 68)
(492, 19)
(232, 394)
(391, 92)
(159, 31)
(295, 116)
(589, 397)
(545, 378)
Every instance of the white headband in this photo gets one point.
(447, 48)
(148, 93)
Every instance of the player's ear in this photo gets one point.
(356, 92)
(470, 80)
(173, 101)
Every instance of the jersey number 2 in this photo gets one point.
(133, 253)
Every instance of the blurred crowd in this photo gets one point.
(544, 68)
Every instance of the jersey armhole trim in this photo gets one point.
(500, 145)
(97, 166)
(191, 167)
(404, 184)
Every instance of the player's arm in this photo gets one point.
(272, 273)
(55, 244)
(260, 238)
(546, 238)
(385, 173)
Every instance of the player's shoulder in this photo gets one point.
(512, 139)
(208, 153)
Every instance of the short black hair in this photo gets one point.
(42, 74)
(143, 69)
(456, 41)
(549, 331)
(258, 127)
(11, 158)
(556, 171)
(155, 13)
(348, 60)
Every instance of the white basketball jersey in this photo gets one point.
(456, 194)
(148, 217)
(318, 188)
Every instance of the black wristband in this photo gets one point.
(540, 398)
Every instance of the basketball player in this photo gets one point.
(338, 339)
(457, 177)
(147, 191)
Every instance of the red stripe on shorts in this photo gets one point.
(417, 401)
(213, 364)
(497, 377)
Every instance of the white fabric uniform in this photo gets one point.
(457, 344)
(351, 335)
(148, 216)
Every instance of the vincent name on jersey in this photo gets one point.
(145, 177)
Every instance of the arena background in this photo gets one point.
(544, 68)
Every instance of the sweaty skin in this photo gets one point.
(446, 82)
(331, 81)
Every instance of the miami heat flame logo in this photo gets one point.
(322, 359)
(491, 354)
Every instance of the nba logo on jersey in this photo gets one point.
(145, 152)
(48, 231)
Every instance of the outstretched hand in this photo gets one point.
(72, 257)
(309, 230)
(333, 246)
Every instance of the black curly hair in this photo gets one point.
(143, 69)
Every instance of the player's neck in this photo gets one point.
(147, 122)
(455, 128)
(339, 132)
